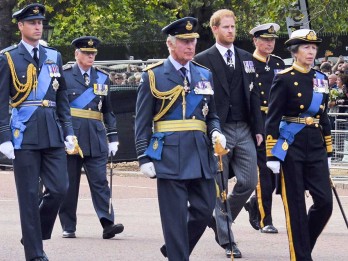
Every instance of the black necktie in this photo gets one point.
(184, 75)
(86, 78)
(36, 59)
(229, 58)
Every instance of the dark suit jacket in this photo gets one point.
(91, 133)
(47, 127)
(211, 58)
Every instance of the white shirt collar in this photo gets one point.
(30, 48)
(223, 49)
(83, 71)
(177, 65)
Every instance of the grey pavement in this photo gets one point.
(135, 202)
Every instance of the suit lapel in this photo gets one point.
(77, 74)
(42, 56)
(26, 55)
(246, 82)
(172, 74)
(218, 66)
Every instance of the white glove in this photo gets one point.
(329, 162)
(148, 169)
(113, 147)
(7, 149)
(274, 166)
(69, 143)
(217, 136)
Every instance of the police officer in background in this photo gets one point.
(299, 145)
(266, 66)
(95, 127)
(176, 98)
(31, 75)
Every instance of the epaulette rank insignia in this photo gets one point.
(7, 49)
(153, 66)
(67, 66)
(101, 70)
(286, 70)
(276, 56)
(200, 65)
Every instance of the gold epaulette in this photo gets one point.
(200, 65)
(328, 142)
(286, 70)
(270, 143)
(67, 66)
(153, 66)
(101, 70)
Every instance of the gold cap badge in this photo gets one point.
(36, 10)
(311, 36)
(189, 26)
(90, 42)
(271, 30)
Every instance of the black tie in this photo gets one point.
(36, 59)
(86, 78)
(229, 58)
(184, 75)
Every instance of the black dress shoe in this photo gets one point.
(111, 230)
(212, 225)
(235, 251)
(67, 234)
(163, 250)
(270, 229)
(252, 215)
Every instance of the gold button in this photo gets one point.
(316, 125)
(264, 102)
(262, 92)
(315, 75)
(257, 75)
(278, 64)
(89, 109)
(73, 93)
(260, 83)
(301, 107)
(292, 73)
(299, 94)
(266, 112)
(193, 117)
(318, 117)
(295, 83)
(321, 106)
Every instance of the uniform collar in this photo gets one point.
(259, 57)
(300, 68)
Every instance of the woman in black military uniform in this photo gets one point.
(299, 139)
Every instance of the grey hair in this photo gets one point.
(171, 39)
(293, 49)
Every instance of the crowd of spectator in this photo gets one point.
(126, 77)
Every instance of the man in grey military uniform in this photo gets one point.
(95, 127)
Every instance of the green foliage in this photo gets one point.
(116, 21)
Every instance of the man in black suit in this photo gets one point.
(238, 106)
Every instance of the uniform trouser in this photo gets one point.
(264, 188)
(95, 169)
(37, 221)
(242, 160)
(186, 207)
(306, 168)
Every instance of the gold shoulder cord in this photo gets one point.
(20, 87)
(171, 95)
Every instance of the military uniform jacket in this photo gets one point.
(91, 134)
(210, 59)
(186, 154)
(48, 126)
(291, 94)
(265, 69)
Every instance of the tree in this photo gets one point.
(116, 21)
